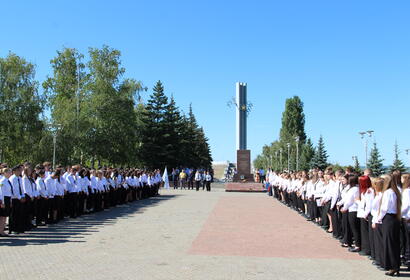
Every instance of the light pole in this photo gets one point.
(276, 160)
(366, 135)
(297, 153)
(288, 144)
(55, 129)
(280, 154)
(407, 151)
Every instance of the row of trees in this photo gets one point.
(95, 114)
(294, 144)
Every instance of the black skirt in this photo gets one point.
(5, 212)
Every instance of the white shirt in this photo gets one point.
(388, 205)
(5, 186)
(17, 192)
(41, 187)
(51, 186)
(405, 204)
(349, 202)
(375, 208)
(27, 187)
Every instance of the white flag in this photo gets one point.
(165, 179)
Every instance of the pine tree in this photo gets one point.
(320, 158)
(306, 158)
(375, 162)
(154, 141)
(173, 133)
(356, 166)
(397, 163)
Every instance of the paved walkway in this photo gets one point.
(184, 235)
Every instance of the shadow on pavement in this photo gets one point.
(74, 230)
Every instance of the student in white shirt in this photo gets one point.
(364, 185)
(350, 206)
(405, 214)
(390, 217)
(16, 220)
(5, 207)
(377, 250)
(208, 179)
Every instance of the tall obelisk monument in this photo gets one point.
(243, 155)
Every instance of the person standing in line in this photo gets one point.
(390, 218)
(182, 179)
(6, 195)
(350, 206)
(378, 184)
(405, 213)
(197, 180)
(208, 179)
(364, 185)
(16, 223)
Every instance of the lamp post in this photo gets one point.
(288, 144)
(297, 152)
(407, 151)
(276, 160)
(55, 129)
(366, 135)
(280, 161)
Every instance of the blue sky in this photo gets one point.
(349, 61)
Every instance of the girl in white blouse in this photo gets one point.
(390, 216)
(405, 213)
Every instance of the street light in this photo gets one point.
(54, 130)
(276, 160)
(366, 135)
(280, 153)
(407, 151)
(297, 152)
(288, 144)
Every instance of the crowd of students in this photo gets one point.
(368, 215)
(36, 196)
(190, 177)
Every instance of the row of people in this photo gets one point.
(367, 215)
(188, 178)
(31, 197)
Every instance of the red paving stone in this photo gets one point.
(262, 227)
(244, 187)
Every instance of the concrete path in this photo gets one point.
(184, 235)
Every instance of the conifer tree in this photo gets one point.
(320, 158)
(375, 162)
(397, 163)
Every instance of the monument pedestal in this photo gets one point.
(243, 180)
(243, 166)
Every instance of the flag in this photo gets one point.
(165, 179)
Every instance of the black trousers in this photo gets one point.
(73, 204)
(364, 234)
(347, 232)
(354, 224)
(391, 241)
(371, 237)
(16, 220)
(325, 218)
(378, 245)
(208, 186)
(197, 184)
(335, 221)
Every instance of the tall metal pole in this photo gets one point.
(297, 153)
(54, 149)
(276, 160)
(288, 156)
(365, 135)
(280, 154)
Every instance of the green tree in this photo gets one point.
(293, 121)
(308, 152)
(376, 162)
(356, 166)
(66, 95)
(21, 129)
(397, 163)
(111, 137)
(320, 158)
(154, 141)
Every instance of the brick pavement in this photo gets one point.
(181, 235)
